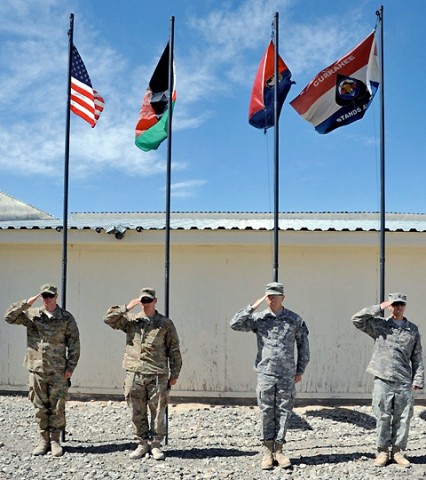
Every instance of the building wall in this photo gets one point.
(328, 276)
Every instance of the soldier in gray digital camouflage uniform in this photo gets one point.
(278, 330)
(153, 362)
(397, 366)
(53, 350)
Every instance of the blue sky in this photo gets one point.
(220, 162)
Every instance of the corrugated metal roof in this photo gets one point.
(326, 221)
(13, 209)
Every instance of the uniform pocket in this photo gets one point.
(155, 337)
(128, 384)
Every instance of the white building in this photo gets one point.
(220, 262)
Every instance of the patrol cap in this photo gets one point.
(48, 288)
(398, 297)
(147, 292)
(274, 288)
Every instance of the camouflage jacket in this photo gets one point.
(152, 345)
(397, 354)
(277, 336)
(53, 343)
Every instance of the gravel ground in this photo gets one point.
(205, 442)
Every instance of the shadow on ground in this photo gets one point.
(99, 449)
(320, 459)
(193, 453)
(420, 460)
(209, 453)
(345, 415)
(298, 423)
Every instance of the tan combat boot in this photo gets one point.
(156, 452)
(382, 457)
(399, 458)
(43, 445)
(141, 450)
(268, 455)
(281, 459)
(55, 445)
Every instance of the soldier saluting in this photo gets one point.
(153, 362)
(397, 366)
(278, 331)
(53, 351)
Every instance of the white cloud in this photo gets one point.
(33, 69)
(186, 188)
(312, 47)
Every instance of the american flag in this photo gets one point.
(99, 105)
(85, 101)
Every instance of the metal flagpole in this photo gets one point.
(66, 176)
(66, 168)
(276, 153)
(168, 182)
(379, 14)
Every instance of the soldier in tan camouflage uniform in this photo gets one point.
(278, 332)
(152, 361)
(53, 350)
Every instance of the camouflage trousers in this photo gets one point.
(393, 408)
(49, 393)
(275, 397)
(143, 393)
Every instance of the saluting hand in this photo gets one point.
(384, 305)
(258, 302)
(31, 300)
(133, 303)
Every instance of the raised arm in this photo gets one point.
(243, 320)
(368, 319)
(17, 312)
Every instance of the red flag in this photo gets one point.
(261, 109)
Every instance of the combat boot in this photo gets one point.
(43, 445)
(281, 459)
(399, 458)
(156, 452)
(55, 445)
(382, 457)
(141, 450)
(268, 455)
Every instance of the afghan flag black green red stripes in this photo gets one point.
(151, 128)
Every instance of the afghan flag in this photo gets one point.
(151, 128)
(341, 93)
(261, 108)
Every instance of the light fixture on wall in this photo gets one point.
(117, 230)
